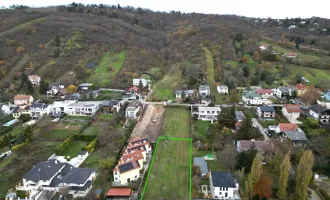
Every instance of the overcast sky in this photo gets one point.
(249, 8)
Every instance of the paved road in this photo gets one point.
(260, 127)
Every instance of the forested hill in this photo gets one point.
(57, 44)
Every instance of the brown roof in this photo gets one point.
(292, 54)
(116, 192)
(263, 146)
(34, 77)
(300, 86)
(22, 97)
(136, 155)
(264, 91)
(288, 127)
(292, 108)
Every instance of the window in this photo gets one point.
(226, 194)
(220, 193)
(116, 173)
(116, 179)
(135, 176)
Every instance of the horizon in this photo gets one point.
(256, 9)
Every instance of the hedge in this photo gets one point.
(84, 137)
(63, 146)
(324, 194)
(85, 126)
(91, 146)
(17, 147)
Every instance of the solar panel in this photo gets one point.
(126, 167)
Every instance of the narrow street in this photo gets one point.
(260, 127)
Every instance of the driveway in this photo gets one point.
(260, 127)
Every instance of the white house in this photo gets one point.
(52, 175)
(145, 82)
(54, 89)
(59, 108)
(320, 113)
(222, 89)
(252, 98)
(292, 55)
(291, 111)
(34, 79)
(265, 93)
(263, 47)
(38, 110)
(223, 186)
(284, 91)
(85, 86)
(292, 26)
(204, 90)
(266, 112)
(5, 109)
(205, 113)
(187, 93)
(22, 99)
(83, 108)
(133, 108)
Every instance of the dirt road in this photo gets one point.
(145, 127)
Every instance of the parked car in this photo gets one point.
(154, 120)
(268, 133)
(60, 197)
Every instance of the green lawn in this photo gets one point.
(266, 123)
(91, 130)
(201, 128)
(233, 63)
(6, 161)
(104, 117)
(177, 123)
(93, 160)
(105, 94)
(58, 134)
(311, 74)
(169, 177)
(214, 165)
(164, 89)
(24, 25)
(250, 60)
(74, 148)
(103, 74)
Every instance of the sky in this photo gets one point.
(249, 8)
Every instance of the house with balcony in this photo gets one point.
(222, 89)
(291, 111)
(59, 108)
(37, 110)
(266, 112)
(133, 108)
(205, 113)
(292, 132)
(223, 186)
(185, 93)
(265, 93)
(22, 99)
(34, 80)
(282, 92)
(252, 98)
(137, 81)
(321, 113)
(52, 175)
(204, 90)
(83, 108)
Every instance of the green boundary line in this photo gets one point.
(153, 159)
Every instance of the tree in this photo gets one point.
(108, 162)
(263, 187)
(284, 175)
(43, 86)
(304, 175)
(29, 88)
(246, 70)
(227, 154)
(226, 118)
(311, 95)
(183, 95)
(233, 96)
(247, 131)
(140, 85)
(196, 170)
(256, 56)
(71, 89)
(254, 176)
(245, 59)
(245, 159)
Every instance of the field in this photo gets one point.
(169, 175)
(105, 94)
(201, 128)
(74, 148)
(107, 69)
(58, 134)
(315, 76)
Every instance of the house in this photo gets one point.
(37, 110)
(92, 94)
(52, 175)
(83, 108)
(22, 99)
(292, 26)
(292, 55)
(131, 94)
(201, 163)
(55, 88)
(34, 80)
(320, 113)
(186, 93)
(300, 88)
(145, 82)
(239, 116)
(133, 108)
(252, 98)
(291, 111)
(292, 132)
(265, 147)
(205, 113)
(59, 108)
(222, 89)
(223, 186)
(21, 110)
(73, 97)
(281, 127)
(127, 172)
(284, 91)
(120, 193)
(85, 87)
(265, 93)
(110, 106)
(204, 90)
(266, 112)
(5, 109)
(263, 47)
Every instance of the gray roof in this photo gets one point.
(200, 161)
(287, 89)
(204, 87)
(187, 92)
(83, 188)
(318, 108)
(77, 175)
(110, 102)
(296, 135)
(39, 105)
(223, 179)
(135, 104)
(239, 115)
(267, 108)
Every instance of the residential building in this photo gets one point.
(284, 91)
(252, 98)
(83, 108)
(133, 108)
(292, 55)
(145, 82)
(222, 89)
(205, 113)
(239, 118)
(265, 93)
(21, 110)
(326, 95)
(300, 88)
(34, 80)
(5, 109)
(187, 93)
(22, 99)
(265, 147)
(292, 132)
(55, 88)
(292, 26)
(201, 163)
(120, 193)
(223, 186)
(263, 47)
(291, 111)
(59, 108)
(37, 110)
(111, 106)
(73, 97)
(92, 94)
(128, 172)
(266, 112)
(52, 175)
(320, 113)
(204, 90)
(85, 87)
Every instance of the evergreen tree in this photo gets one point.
(304, 175)
(226, 118)
(29, 88)
(140, 86)
(284, 175)
(43, 87)
(246, 131)
(254, 176)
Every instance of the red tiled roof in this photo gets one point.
(292, 108)
(136, 89)
(292, 54)
(116, 192)
(22, 97)
(264, 91)
(300, 86)
(264, 45)
(136, 155)
(288, 127)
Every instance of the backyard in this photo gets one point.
(201, 128)
(74, 148)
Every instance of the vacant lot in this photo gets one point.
(109, 66)
(177, 123)
(315, 76)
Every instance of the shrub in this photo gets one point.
(83, 137)
(20, 49)
(60, 149)
(19, 146)
(10, 43)
(325, 194)
(3, 157)
(91, 146)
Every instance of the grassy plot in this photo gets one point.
(201, 128)
(58, 134)
(311, 74)
(106, 94)
(164, 89)
(177, 123)
(107, 69)
(24, 25)
(74, 148)
(93, 160)
(169, 177)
